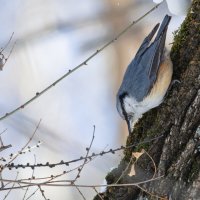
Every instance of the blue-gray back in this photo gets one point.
(141, 73)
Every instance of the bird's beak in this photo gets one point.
(129, 124)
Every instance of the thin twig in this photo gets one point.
(6, 59)
(97, 193)
(79, 191)
(3, 131)
(83, 158)
(123, 173)
(3, 59)
(154, 164)
(24, 146)
(56, 176)
(57, 184)
(2, 148)
(84, 63)
(11, 187)
(2, 183)
(42, 192)
(2, 49)
(28, 149)
(82, 166)
(30, 180)
(32, 194)
(86, 157)
(125, 170)
(59, 175)
(151, 194)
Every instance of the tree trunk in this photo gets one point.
(178, 120)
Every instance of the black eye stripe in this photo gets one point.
(121, 99)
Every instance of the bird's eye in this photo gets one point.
(130, 116)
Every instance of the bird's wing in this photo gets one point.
(141, 73)
(157, 49)
(151, 58)
(146, 41)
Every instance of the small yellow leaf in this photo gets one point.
(138, 154)
(132, 172)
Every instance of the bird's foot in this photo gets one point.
(173, 82)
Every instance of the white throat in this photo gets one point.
(132, 106)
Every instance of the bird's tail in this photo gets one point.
(163, 27)
(158, 47)
(161, 32)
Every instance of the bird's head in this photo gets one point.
(127, 111)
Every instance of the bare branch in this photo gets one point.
(154, 164)
(86, 157)
(32, 194)
(42, 192)
(2, 146)
(23, 147)
(11, 165)
(124, 171)
(2, 49)
(3, 59)
(97, 193)
(11, 187)
(6, 59)
(3, 132)
(81, 168)
(58, 184)
(151, 194)
(79, 192)
(30, 180)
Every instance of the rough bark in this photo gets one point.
(178, 120)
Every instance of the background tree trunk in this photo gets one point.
(178, 120)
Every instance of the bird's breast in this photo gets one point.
(161, 85)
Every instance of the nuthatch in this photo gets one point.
(147, 77)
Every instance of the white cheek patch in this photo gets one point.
(130, 104)
(138, 108)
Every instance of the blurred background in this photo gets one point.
(52, 37)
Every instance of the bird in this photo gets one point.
(147, 77)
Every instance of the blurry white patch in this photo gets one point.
(157, 1)
(103, 189)
(178, 7)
